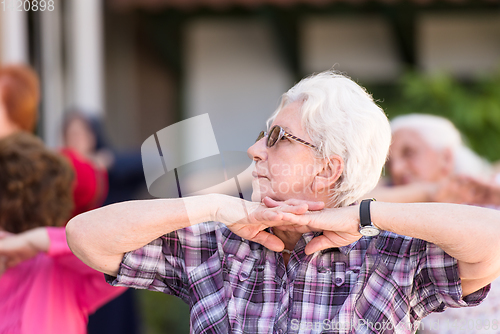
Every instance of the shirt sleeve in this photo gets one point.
(164, 264)
(438, 284)
(58, 244)
(90, 289)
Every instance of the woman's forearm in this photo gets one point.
(469, 234)
(102, 236)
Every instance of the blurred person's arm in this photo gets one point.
(454, 189)
(91, 288)
(479, 192)
(414, 192)
(16, 248)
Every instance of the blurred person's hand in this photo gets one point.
(449, 190)
(104, 158)
(16, 248)
(479, 192)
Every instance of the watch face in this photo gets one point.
(369, 231)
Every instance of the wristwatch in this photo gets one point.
(366, 227)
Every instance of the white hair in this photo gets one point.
(437, 131)
(441, 134)
(342, 119)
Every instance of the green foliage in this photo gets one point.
(163, 314)
(473, 107)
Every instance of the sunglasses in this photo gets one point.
(276, 133)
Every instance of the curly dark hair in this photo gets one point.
(35, 184)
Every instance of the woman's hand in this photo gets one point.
(340, 226)
(16, 248)
(249, 219)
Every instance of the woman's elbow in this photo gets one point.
(76, 236)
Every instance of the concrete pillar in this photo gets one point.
(85, 55)
(52, 76)
(14, 36)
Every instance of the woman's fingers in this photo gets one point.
(311, 206)
(296, 219)
(291, 203)
(318, 244)
(322, 242)
(269, 241)
(296, 228)
(330, 239)
(271, 203)
(266, 215)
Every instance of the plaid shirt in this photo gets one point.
(385, 284)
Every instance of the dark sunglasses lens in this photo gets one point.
(261, 135)
(274, 135)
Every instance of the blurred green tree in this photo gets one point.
(162, 313)
(474, 107)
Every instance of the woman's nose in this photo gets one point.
(258, 151)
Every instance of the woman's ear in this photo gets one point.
(331, 172)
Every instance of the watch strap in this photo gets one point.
(365, 218)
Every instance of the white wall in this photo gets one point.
(361, 46)
(52, 76)
(13, 36)
(233, 72)
(85, 53)
(2, 45)
(463, 44)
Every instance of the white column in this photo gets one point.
(14, 36)
(85, 55)
(52, 76)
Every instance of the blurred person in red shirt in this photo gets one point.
(19, 99)
(91, 170)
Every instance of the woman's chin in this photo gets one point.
(259, 192)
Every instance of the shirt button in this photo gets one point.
(244, 276)
(339, 280)
(280, 331)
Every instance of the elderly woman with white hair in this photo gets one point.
(429, 162)
(286, 262)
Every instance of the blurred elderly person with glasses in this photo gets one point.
(302, 256)
(428, 161)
